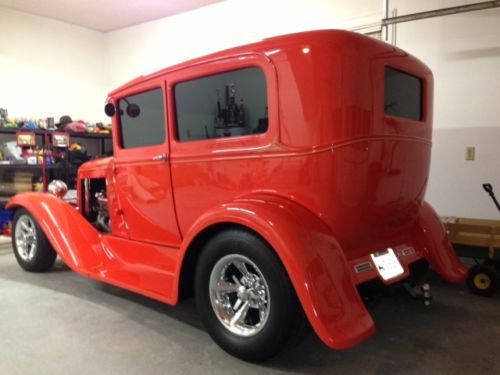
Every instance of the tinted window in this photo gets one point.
(142, 119)
(222, 105)
(403, 95)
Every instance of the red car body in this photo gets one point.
(333, 180)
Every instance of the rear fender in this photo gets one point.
(74, 239)
(312, 258)
(436, 246)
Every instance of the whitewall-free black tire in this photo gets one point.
(32, 249)
(244, 296)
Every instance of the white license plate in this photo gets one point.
(387, 264)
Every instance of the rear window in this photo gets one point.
(403, 95)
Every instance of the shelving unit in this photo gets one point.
(14, 177)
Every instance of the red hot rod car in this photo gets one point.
(270, 179)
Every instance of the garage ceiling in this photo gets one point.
(105, 15)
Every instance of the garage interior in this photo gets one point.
(61, 57)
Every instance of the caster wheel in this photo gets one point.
(483, 280)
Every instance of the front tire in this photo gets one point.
(244, 296)
(31, 247)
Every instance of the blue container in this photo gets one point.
(6, 216)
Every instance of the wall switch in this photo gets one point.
(470, 153)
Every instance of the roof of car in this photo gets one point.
(257, 47)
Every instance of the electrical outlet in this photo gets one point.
(470, 153)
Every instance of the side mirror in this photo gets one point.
(109, 109)
(133, 110)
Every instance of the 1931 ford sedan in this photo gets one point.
(270, 179)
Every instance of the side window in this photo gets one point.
(142, 119)
(222, 105)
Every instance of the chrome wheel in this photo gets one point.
(25, 237)
(239, 295)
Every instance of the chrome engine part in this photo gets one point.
(103, 221)
(57, 188)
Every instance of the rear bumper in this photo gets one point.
(363, 269)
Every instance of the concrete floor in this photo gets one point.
(61, 323)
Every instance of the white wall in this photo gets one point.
(463, 51)
(50, 68)
(154, 45)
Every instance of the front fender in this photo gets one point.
(312, 258)
(71, 235)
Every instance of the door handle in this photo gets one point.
(161, 157)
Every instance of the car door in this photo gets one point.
(141, 167)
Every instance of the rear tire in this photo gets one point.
(244, 296)
(31, 247)
(483, 280)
